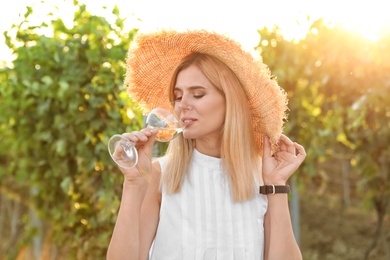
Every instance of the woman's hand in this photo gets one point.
(143, 141)
(279, 166)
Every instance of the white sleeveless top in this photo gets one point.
(202, 222)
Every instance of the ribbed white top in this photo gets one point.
(202, 222)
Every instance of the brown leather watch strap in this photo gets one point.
(273, 189)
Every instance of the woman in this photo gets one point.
(220, 191)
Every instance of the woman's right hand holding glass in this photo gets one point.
(143, 141)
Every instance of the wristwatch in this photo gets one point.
(273, 189)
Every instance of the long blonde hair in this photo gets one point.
(240, 156)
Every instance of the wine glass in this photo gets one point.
(123, 151)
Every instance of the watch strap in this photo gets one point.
(273, 189)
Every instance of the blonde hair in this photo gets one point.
(240, 155)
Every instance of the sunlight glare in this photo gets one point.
(239, 19)
(367, 18)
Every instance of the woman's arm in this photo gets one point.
(279, 237)
(279, 240)
(137, 221)
(150, 212)
(125, 240)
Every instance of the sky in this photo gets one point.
(240, 19)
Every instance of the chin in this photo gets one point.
(188, 135)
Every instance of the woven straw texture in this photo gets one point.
(153, 57)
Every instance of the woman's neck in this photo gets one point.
(209, 147)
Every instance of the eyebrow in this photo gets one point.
(190, 88)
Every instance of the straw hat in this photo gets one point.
(154, 56)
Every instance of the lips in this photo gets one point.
(187, 121)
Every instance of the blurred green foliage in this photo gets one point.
(61, 101)
(338, 84)
(64, 97)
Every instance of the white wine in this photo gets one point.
(166, 134)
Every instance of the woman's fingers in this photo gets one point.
(285, 144)
(266, 147)
(301, 151)
(282, 146)
(118, 152)
(287, 158)
(137, 136)
(287, 149)
(293, 158)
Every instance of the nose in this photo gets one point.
(184, 104)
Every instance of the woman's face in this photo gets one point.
(199, 105)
